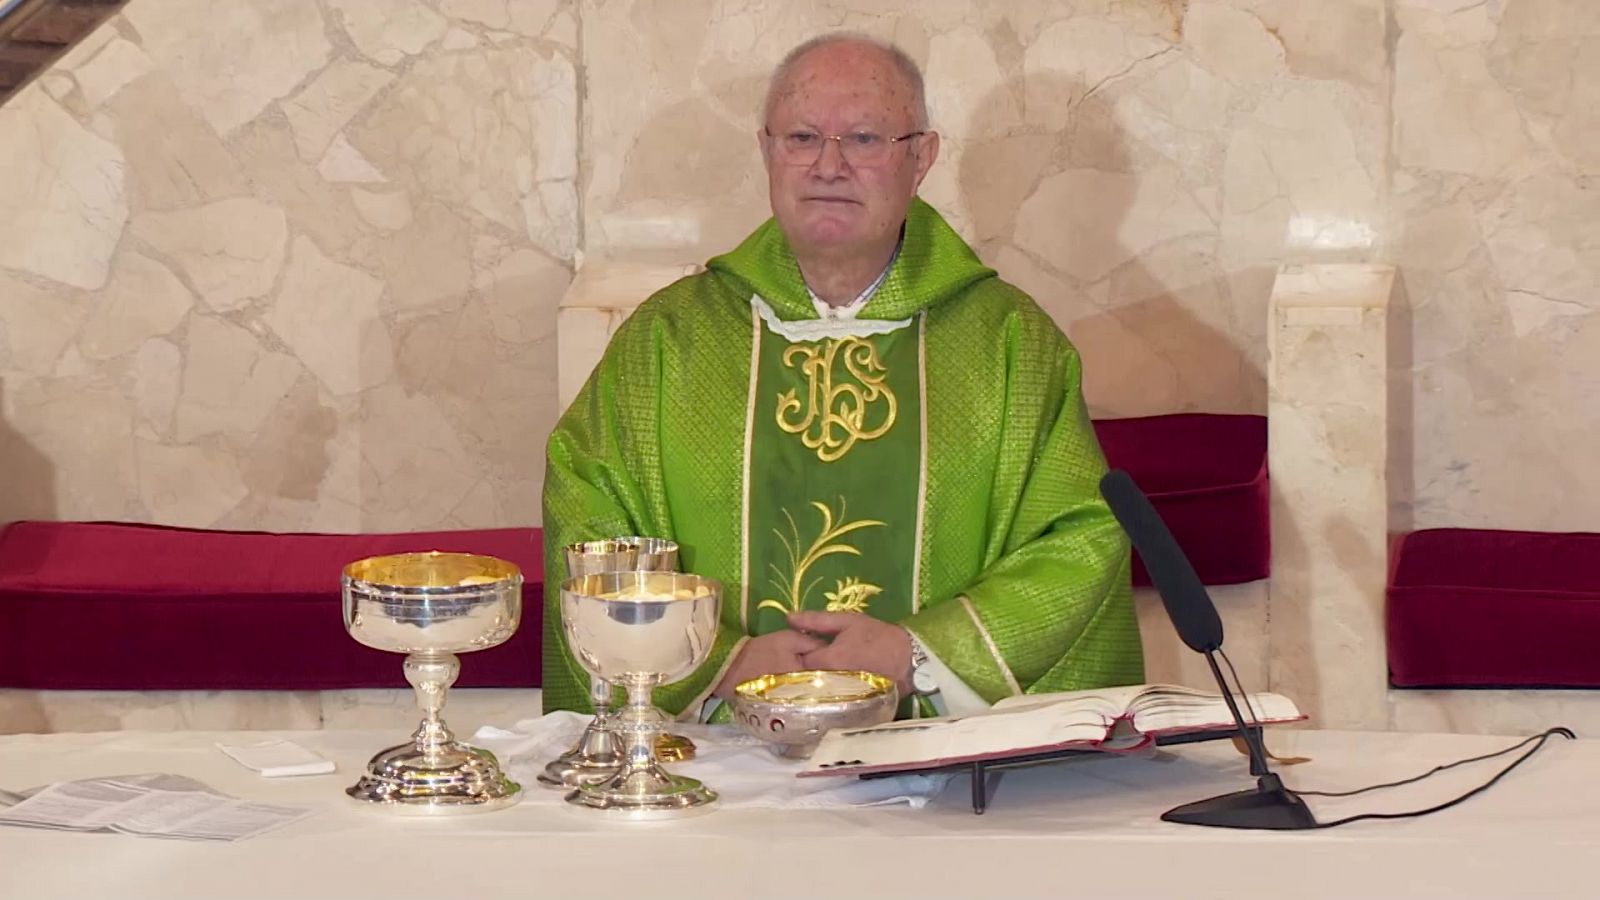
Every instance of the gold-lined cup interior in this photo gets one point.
(815, 687)
(434, 569)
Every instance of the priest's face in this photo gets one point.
(847, 197)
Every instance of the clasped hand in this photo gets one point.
(825, 640)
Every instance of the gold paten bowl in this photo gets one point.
(793, 710)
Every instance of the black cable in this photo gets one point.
(1238, 687)
(1411, 814)
(1440, 768)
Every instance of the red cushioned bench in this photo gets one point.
(1472, 608)
(143, 607)
(1206, 474)
(88, 605)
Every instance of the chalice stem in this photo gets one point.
(431, 675)
(644, 724)
(600, 696)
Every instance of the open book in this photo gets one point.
(1117, 719)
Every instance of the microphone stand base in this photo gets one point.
(1270, 807)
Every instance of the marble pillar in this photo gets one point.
(1328, 450)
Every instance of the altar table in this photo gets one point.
(1082, 828)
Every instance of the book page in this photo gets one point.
(1035, 723)
(1109, 702)
(1164, 708)
(926, 743)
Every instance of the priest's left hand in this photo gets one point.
(860, 643)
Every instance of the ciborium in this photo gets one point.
(791, 711)
(432, 606)
(639, 630)
(596, 756)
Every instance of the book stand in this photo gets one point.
(980, 769)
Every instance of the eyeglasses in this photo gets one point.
(859, 148)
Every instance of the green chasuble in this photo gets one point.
(930, 463)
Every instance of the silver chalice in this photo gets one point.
(639, 630)
(596, 756)
(431, 606)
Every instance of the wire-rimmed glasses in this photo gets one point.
(803, 147)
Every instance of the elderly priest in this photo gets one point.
(880, 448)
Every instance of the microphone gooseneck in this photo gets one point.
(1194, 616)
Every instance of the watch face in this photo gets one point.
(922, 680)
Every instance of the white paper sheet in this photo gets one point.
(168, 806)
(278, 758)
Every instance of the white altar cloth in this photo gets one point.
(1083, 828)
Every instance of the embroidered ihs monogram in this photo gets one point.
(846, 398)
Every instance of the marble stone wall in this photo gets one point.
(1143, 166)
(289, 264)
(1495, 152)
(294, 263)
(1140, 167)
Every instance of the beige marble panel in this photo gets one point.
(62, 202)
(528, 17)
(38, 324)
(43, 712)
(1495, 712)
(1140, 168)
(466, 710)
(599, 298)
(174, 158)
(143, 300)
(1498, 232)
(231, 379)
(508, 168)
(230, 250)
(1244, 610)
(1328, 446)
(289, 265)
(229, 60)
(74, 446)
(344, 343)
(583, 336)
(389, 32)
(112, 67)
(326, 105)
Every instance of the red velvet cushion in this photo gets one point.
(143, 607)
(1206, 474)
(1476, 608)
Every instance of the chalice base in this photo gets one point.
(451, 779)
(596, 757)
(646, 792)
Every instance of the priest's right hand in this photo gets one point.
(769, 654)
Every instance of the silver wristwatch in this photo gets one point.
(922, 683)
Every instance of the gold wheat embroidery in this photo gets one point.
(851, 595)
(792, 585)
(833, 416)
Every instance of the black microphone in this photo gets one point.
(1194, 616)
(1188, 605)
